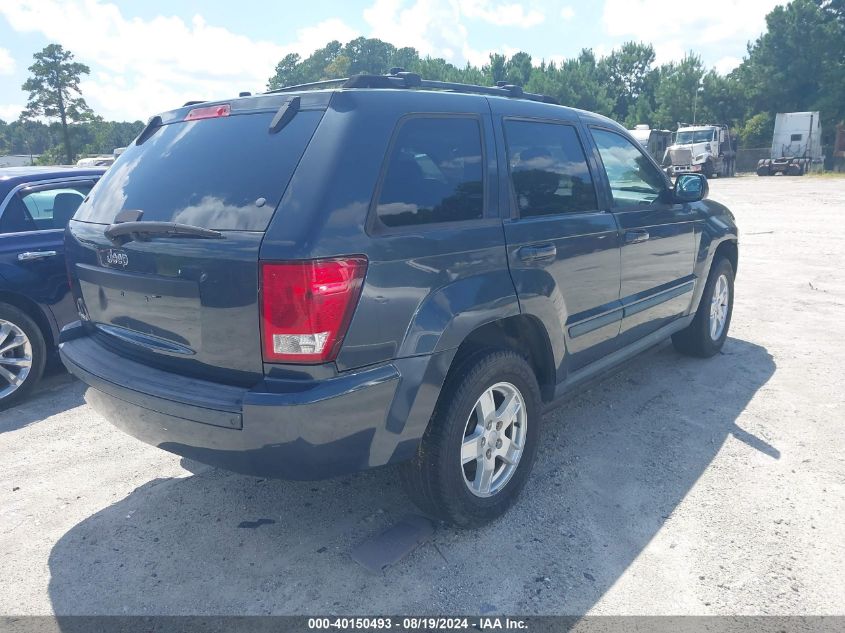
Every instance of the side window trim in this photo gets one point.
(62, 184)
(375, 227)
(512, 203)
(606, 181)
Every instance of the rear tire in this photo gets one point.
(23, 354)
(706, 335)
(446, 478)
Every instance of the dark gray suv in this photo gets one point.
(384, 271)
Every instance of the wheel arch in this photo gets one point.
(523, 334)
(35, 311)
(729, 250)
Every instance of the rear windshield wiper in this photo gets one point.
(125, 231)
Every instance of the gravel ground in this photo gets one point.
(677, 486)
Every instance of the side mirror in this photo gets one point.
(690, 188)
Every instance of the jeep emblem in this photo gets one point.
(115, 257)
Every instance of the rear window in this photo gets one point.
(227, 173)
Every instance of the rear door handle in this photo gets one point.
(29, 256)
(537, 253)
(635, 237)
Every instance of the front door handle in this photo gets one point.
(30, 256)
(537, 253)
(635, 237)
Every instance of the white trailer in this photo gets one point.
(796, 145)
(654, 141)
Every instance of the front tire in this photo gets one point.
(23, 354)
(480, 445)
(706, 335)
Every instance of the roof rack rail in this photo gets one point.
(399, 78)
(314, 85)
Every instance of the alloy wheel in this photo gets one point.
(494, 439)
(719, 307)
(15, 358)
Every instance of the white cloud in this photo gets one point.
(10, 111)
(310, 38)
(432, 27)
(7, 64)
(724, 23)
(567, 13)
(438, 27)
(501, 14)
(666, 51)
(727, 64)
(146, 66)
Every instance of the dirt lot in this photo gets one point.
(677, 486)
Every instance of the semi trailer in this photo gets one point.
(796, 145)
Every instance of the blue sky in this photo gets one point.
(150, 56)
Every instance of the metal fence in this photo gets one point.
(746, 158)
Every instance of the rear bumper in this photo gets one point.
(292, 429)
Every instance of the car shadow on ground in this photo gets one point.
(58, 391)
(614, 464)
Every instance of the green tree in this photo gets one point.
(369, 55)
(496, 69)
(286, 72)
(757, 131)
(722, 100)
(54, 91)
(630, 76)
(677, 93)
(518, 69)
(799, 62)
(407, 58)
(578, 83)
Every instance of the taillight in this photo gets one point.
(208, 112)
(306, 307)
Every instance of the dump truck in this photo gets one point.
(654, 141)
(702, 149)
(796, 145)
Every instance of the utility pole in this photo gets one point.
(699, 88)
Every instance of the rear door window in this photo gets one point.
(434, 173)
(53, 208)
(43, 209)
(549, 171)
(227, 173)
